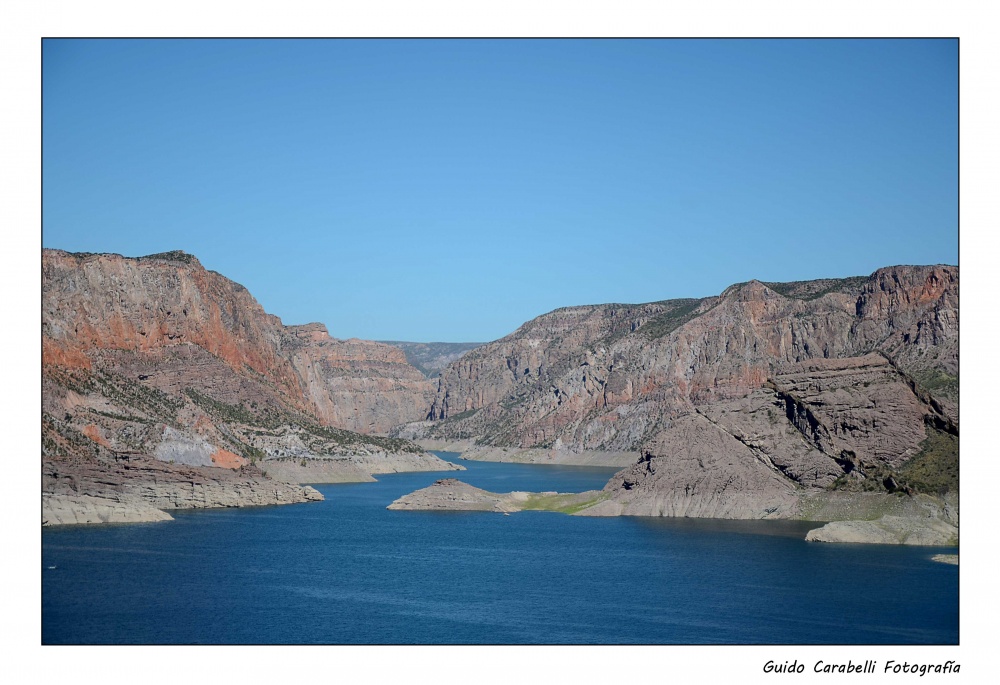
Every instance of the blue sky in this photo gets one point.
(451, 190)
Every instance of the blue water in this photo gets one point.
(349, 571)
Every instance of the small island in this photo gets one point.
(451, 494)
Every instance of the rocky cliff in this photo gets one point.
(732, 404)
(357, 384)
(156, 357)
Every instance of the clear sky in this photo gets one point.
(451, 190)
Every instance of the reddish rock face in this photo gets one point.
(159, 318)
(227, 460)
(94, 433)
(92, 303)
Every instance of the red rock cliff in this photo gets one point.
(127, 312)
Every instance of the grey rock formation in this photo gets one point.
(139, 489)
(81, 509)
(696, 469)
(888, 530)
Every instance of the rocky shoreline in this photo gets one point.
(61, 510)
(888, 530)
(141, 489)
(515, 455)
(354, 468)
(920, 520)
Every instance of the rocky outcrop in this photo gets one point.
(453, 495)
(888, 530)
(59, 510)
(600, 377)
(880, 518)
(506, 370)
(696, 469)
(167, 321)
(828, 423)
(946, 559)
(101, 302)
(89, 491)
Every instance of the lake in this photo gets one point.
(348, 571)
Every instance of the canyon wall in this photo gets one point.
(731, 404)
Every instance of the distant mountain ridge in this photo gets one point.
(431, 358)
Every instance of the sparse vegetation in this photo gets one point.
(811, 290)
(120, 417)
(120, 390)
(938, 383)
(234, 413)
(935, 468)
(318, 439)
(666, 323)
(248, 452)
(563, 503)
(78, 380)
(346, 438)
(463, 415)
(875, 475)
(172, 255)
(60, 439)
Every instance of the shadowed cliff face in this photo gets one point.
(762, 389)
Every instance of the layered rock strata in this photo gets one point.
(141, 488)
(357, 384)
(888, 530)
